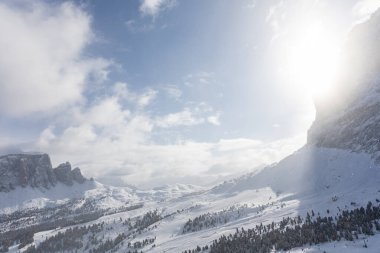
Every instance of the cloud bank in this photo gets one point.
(116, 145)
(45, 70)
(154, 7)
(42, 64)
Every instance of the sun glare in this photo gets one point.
(312, 61)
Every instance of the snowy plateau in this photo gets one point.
(322, 198)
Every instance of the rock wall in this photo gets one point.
(350, 119)
(35, 170)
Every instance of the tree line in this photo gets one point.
(296, 232)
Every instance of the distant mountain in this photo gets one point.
(35, 170)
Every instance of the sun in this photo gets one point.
(312, 60)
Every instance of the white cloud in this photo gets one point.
(106, 111)
(95, 135)
(112, 137)
(143, 163)
(173, 91)
(42, 66)
(154, 7)
(135, 26)
(141, 100)
(214, 119)
(363, 9)
(190, 116)
(146, 97)
(275, 17)
(183, 118)
(199, 78)
(242, 154)
(116, 144)
(251, 4)
(131, 25)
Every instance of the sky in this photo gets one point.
(153, 92)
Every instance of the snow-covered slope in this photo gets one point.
(166, 192)
(311, 170)
(29, 197)
(313, 178)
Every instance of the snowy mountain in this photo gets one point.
(350, 121)
(35, 170)
(324, 197)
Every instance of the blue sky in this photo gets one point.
(165, 91)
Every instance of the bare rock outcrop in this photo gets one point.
(35, 170)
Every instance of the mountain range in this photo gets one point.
(35, 170)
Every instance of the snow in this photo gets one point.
(372, 242)
(170, 191)
(311, 178)
(28, 197)
(308, 179)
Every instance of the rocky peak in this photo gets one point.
(67, 176)
(35, 170)
(351, 119)
(77, 175)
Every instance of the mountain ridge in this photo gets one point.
(350, 119)
(35, 170)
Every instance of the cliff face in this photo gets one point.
(35, 170)
(351, 119)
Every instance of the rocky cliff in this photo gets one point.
(351, 119)
(35, 170)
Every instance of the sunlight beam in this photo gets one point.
(312, 61)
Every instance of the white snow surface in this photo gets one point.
(311, 178)
(28, 197)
